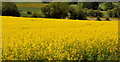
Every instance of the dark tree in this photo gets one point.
(29, 12)
(56, 10)
(10, 9)
(90, 5)
(77, 13)
(106, 6)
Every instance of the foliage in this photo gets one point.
(56, 10)
(98, 18)
(90, 5)
(77, 13)
(0, 8)
(91, 13)
(114, 12)
(110, 13)
(85, 10)
(106, 6)
(38, 15)
(107, 19)
(94, 13)
(29, 12)
(10, 9)
(72, 3)
(99, 13)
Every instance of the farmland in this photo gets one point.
(59, 39)
(35, 7)
(28, 6)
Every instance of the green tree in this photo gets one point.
(56, 10)
(38, 15)
(77, 13)
(106, 6)
(91, 13)
(10, 9)
(90, 5)
(114, 12)
(0, 8)
(109, 13)
(85, 10)
(99, 13)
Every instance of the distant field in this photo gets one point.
(31, 4)
(24, 7)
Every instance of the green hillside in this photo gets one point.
(25, 7)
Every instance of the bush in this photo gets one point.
(35, 15)
(68, 15)
(107, 6)
(10, 9)
(99, 13)
(38, 15)
(77, 13)
(114, 12)
(56, 10)
(85, 10)
(94, 13)
(29, 12)
(107, 19)
(90, 5)
(110, 13)
(24, 16)
(98, 18)
(91, 13)
(20, 10)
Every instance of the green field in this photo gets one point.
(24, 7)
(30, 4)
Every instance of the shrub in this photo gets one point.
(110, 13)
(107, 19)
(10, 9)
(90, 5)
(91, 13)
(77, 13)
(38, 15)
(24, 16)
(29, 12)
(34, 15)
(68, 15)
(20, 10)
(99, 13)
(56, 10)
(114, 12)
(98, 18)
(85, 10)
(107, 6)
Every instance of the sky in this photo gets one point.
(59, 0)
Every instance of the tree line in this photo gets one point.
(66, 10)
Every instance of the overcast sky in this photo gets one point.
(59, 0)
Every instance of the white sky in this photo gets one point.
(59, 0)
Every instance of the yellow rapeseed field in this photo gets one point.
(59, 39)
